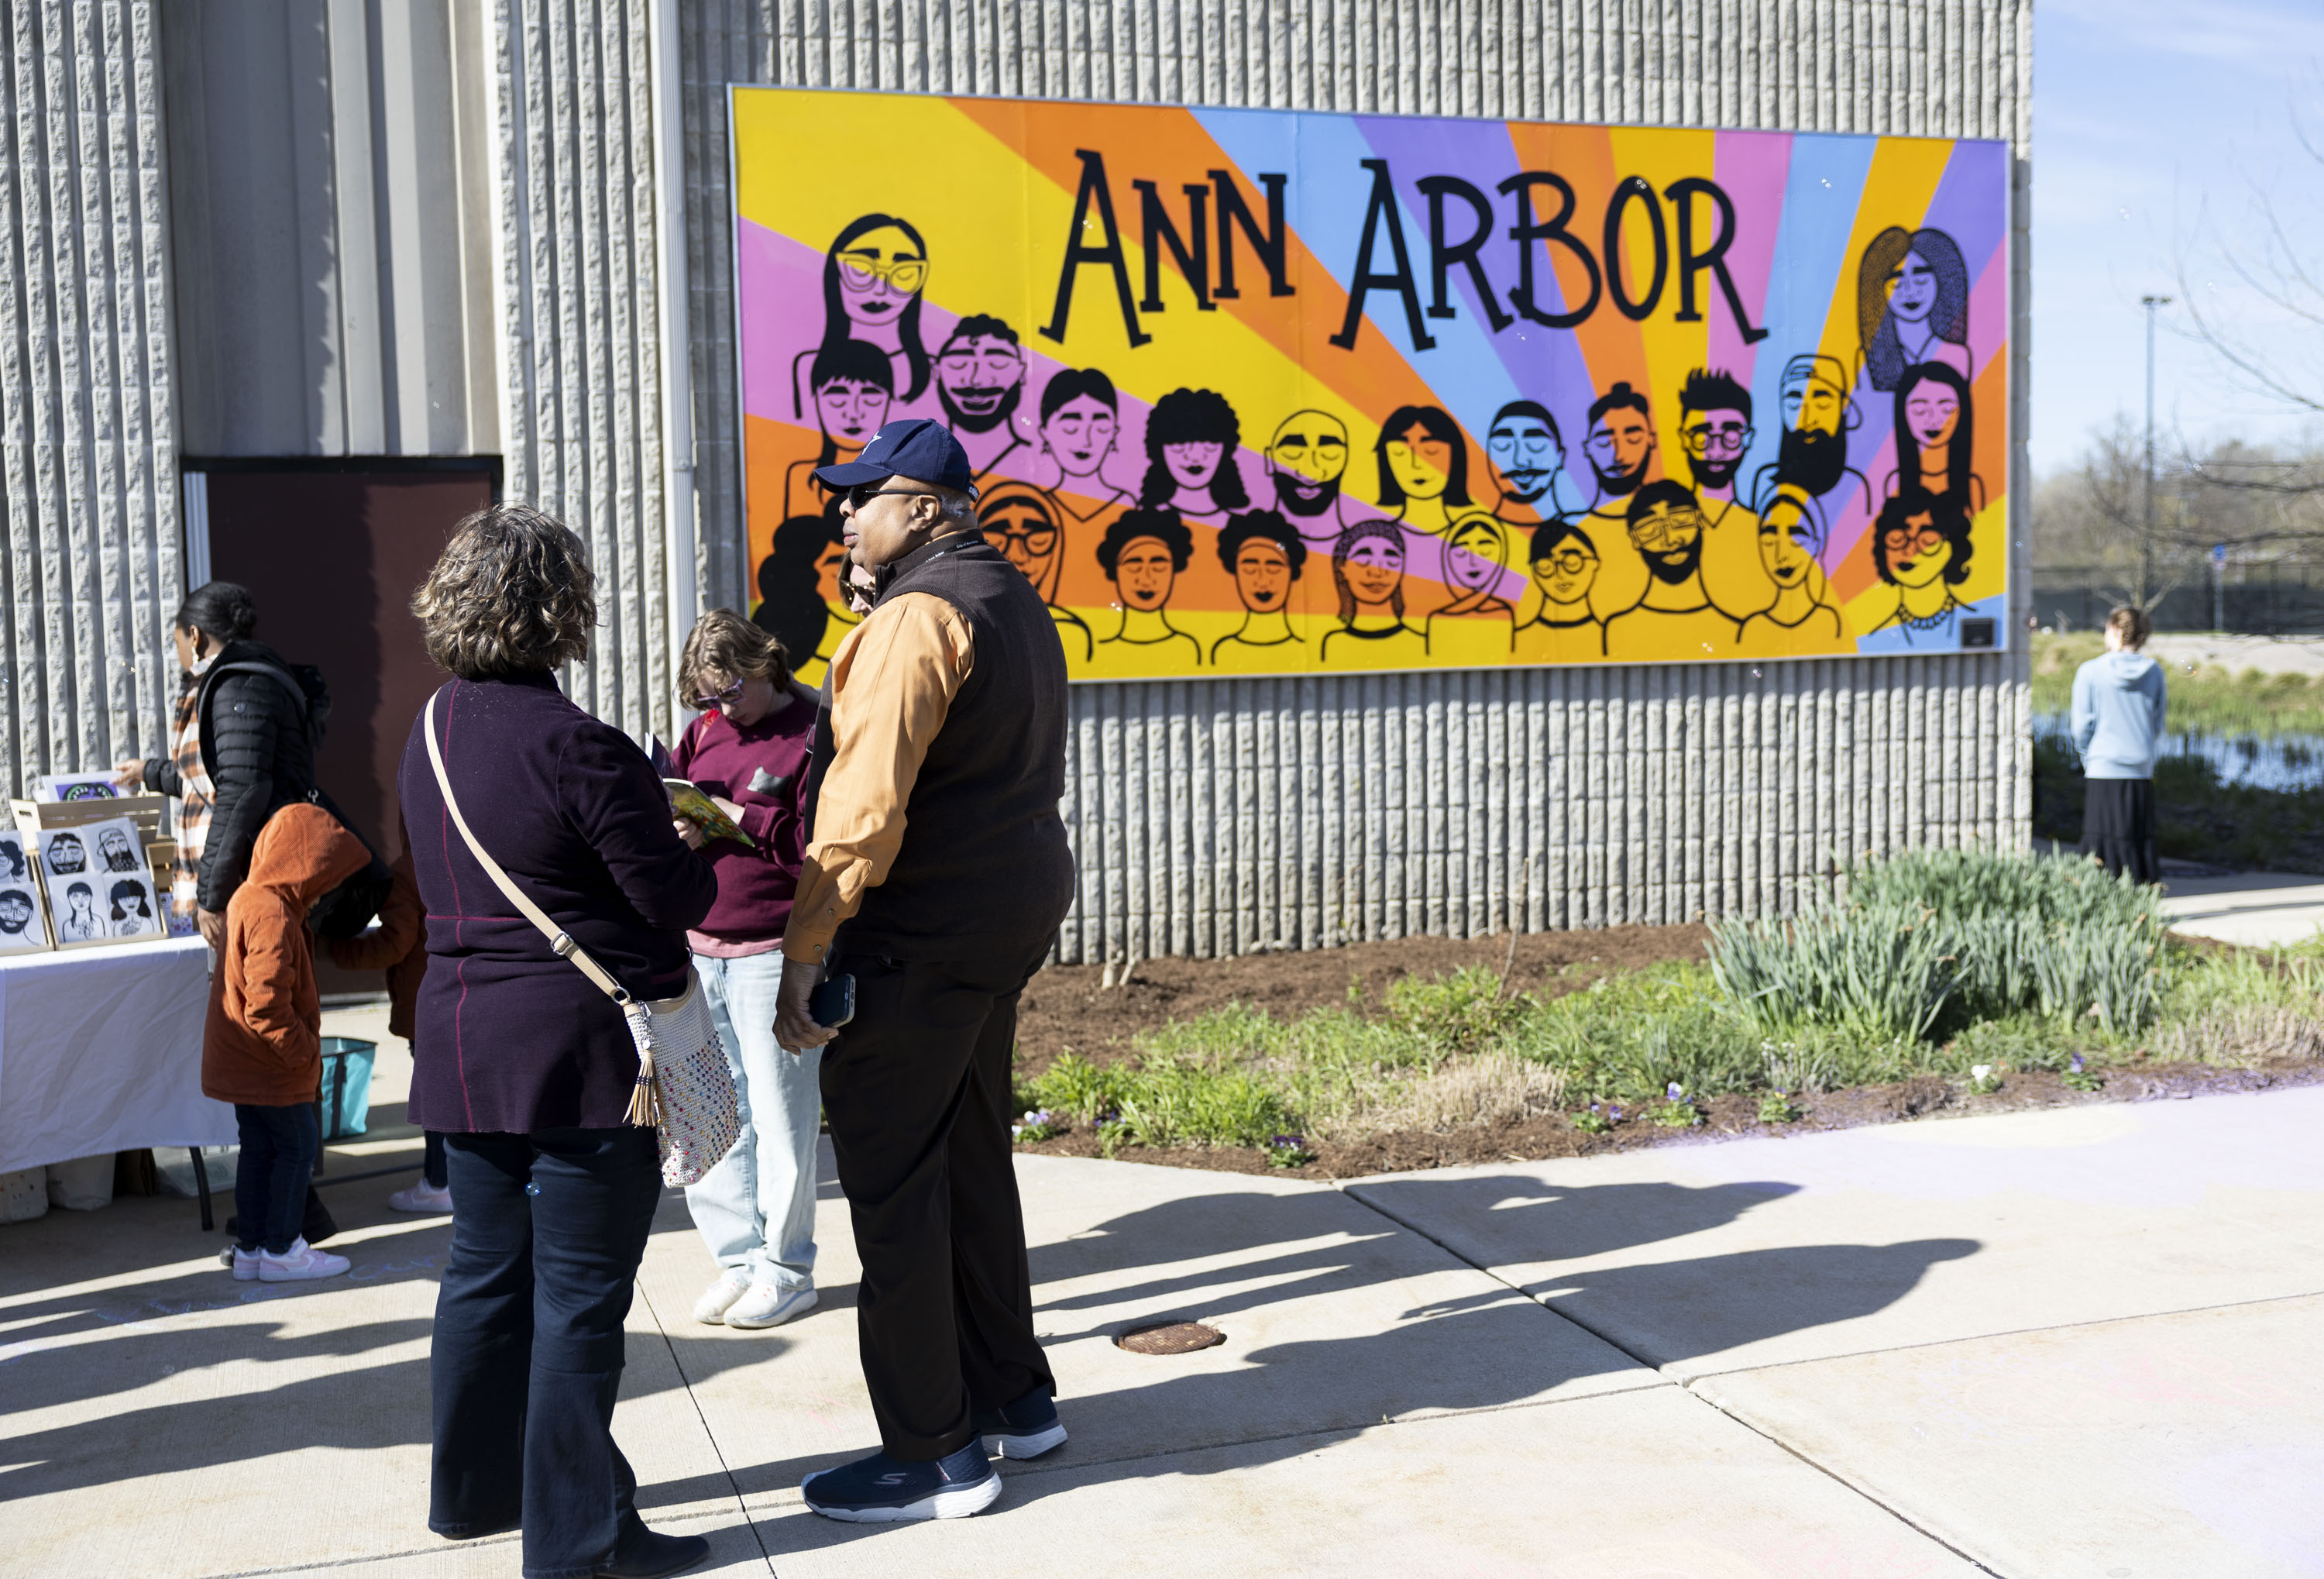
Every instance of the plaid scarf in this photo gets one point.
(195, 792)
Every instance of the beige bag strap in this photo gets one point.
(559, 940)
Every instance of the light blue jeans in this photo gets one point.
(756, 1209)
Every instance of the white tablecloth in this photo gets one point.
(101, 1050)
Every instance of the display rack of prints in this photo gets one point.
(144, 810)
(100, 888)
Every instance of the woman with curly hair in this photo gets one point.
(526, 1066)
(1191, 438)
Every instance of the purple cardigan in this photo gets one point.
(507, 1036)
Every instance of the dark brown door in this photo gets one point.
(332, 558)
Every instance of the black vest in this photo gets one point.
(984, 870)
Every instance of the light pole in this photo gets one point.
(2146, 532)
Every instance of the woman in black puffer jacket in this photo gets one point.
(248, 725)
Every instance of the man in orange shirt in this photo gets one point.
(936, 876)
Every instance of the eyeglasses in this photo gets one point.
(862, 494)
(1667, 528)
(1034, 540)
(1702, 437)
(1925, 541)
(724, 698)
(1572, 562)
(904, 275)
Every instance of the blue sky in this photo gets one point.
(2148, 115)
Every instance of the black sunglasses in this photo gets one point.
(862, 493)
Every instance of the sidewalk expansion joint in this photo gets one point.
(709, 1435)
(1688, 1387)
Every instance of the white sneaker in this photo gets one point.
(720, 1297)
(423, 1196)
(244, 1262)
(301, 1262)
(767, 1306)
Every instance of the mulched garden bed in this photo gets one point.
(1066, 1006)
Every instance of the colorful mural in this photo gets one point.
(1264, 392)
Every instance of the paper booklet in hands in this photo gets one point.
(689, 802)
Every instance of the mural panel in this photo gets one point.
(1258, 392)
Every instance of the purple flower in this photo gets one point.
(1673, 1091)
(2077, 1062)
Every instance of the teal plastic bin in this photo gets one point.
(346, 1085)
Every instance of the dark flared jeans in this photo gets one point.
(272, 1171)
(527, 1352)
(916, 1093)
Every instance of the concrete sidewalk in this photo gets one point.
(2053, 1343)
(2256, 908)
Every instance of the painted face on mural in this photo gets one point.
(1473, 555)
(1374, 569)
(1565, 573)
(1813, 450)
(1080, 434)
(879, 274)
(1193, 464)
(1621, 444)
(851, 411)
(1144, 573)
(1918, 552)
(1018, 523)
(1262, 573)
(1932, 410)
(1787, 541)
(1669, 538)
(1912, 288)
(1421, 463)
(1715, 443)
(980, 379)
(1525, 457)
(1306, 459)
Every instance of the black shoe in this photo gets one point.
(1027, 1428)
(645, 1553)
(880, 1490)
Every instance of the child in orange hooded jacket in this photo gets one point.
(262, 1046)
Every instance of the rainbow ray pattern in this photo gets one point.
(1255, 392)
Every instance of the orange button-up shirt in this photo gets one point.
(893, 682)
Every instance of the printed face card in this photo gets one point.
(78, 786)
(99, 886)
(21, 929)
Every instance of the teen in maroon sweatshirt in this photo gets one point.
(747, 749)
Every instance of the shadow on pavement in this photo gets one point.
(1476, 1352)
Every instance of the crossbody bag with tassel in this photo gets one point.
(684, 1089)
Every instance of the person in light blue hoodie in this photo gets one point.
(2118, 723)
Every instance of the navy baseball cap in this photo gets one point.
(916, 448)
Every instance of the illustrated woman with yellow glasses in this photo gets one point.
(873, 278)
(1566, 629)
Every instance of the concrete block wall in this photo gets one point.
(88, 422)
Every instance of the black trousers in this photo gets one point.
(527, 1359)
(918, 1095)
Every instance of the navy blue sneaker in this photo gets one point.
(1027, 1428)
(880, 1490)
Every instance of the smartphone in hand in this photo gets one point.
(833, 1003)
